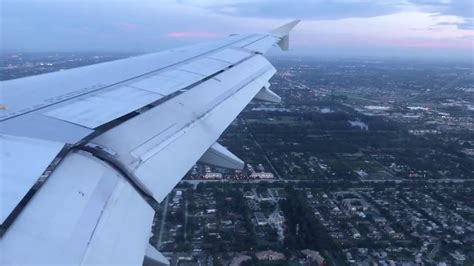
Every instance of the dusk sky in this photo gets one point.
(330, 27)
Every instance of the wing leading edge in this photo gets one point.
(114, 137)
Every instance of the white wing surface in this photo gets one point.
(84, 153)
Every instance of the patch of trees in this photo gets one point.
(304, 230)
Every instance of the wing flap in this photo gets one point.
(115, 243)
(22, 162)
(159, 173)
(39, 126)
(75, 215)
(187, 124)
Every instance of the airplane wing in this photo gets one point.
(85, 153)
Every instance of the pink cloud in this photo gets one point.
(192, 34)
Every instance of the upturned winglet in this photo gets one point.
(284, 33)
(285, 29)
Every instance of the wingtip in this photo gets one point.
(285, 29)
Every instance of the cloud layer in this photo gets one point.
(337, 9)
(304, 9)
(339, 26)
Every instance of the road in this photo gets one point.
(195, 182)
(186, 220)
(262, 150)
(163, 220)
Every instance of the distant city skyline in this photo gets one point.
(408, 28)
